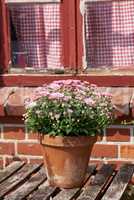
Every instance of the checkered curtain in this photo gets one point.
(109, 33)
(38, 33)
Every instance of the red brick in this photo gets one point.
(14, 133)
(102, 150)
(11, 120)
(118, 134)
(34, 161)
(7, 148)
(33, 136)
(29, 149)
(127, 151)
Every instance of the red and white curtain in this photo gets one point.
(38, 31)
(109, 33)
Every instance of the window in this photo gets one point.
(109, 34)
(47, 35)
(36, 35)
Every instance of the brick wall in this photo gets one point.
(117, 145)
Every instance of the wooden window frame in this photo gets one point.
(73, 52)
(81, 49)
(32, 1)
(68, 24)
(4, 38)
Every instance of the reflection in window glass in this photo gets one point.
(35, 35)
(109, 33)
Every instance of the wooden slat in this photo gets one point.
(10, 169)
(28, 187)
(44, 192)
(18, 178)
(68, 194)
(92, 190)
(120, 182)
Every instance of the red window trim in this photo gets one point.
(72, 49)
(4, 38)
(68, 24)
(37, 80)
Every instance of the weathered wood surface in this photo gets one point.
(93, 189)
(44, 192)
(21, 181)
(28, 187)
(18, 178)
(9, 170)
(120, 182)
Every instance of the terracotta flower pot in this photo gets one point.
(66, 159)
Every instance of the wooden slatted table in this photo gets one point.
(29, 182)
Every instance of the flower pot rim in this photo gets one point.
(66, 141)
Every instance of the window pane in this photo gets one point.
(36, 35)
(109, 34)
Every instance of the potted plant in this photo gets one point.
(68, 115)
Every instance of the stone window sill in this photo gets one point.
(12, 100)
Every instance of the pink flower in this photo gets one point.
(97, 94)
(60, 82)
(77, 82)
(56, 95)
(31, 104)
(39, 94)
(81, 87)
(27, 101)
(43, 93)
(67, 98)
(54, 86)
(68, 82)
(85, 82)
(89, 101)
